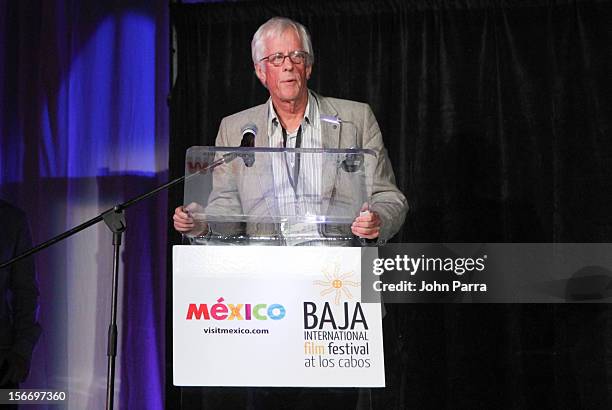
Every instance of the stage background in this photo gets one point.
(496, 115)
(84, 125)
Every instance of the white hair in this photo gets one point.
(275, 27)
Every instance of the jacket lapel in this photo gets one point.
(330, 137)
(330, 133)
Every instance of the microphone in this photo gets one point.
(352, 162)
(249, 131)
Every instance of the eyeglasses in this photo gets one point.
(296, 57)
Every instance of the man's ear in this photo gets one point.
(261, 74)
(308, 71)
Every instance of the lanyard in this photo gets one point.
(293, 176)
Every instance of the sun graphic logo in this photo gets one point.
(337, 283)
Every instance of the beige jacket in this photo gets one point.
(236, 193)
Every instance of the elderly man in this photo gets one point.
(283, 59)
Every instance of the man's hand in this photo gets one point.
(367, 224)
(185, 224)
(17, 368)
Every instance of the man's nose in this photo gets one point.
(287, 64)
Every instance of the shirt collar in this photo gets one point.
(309, 113)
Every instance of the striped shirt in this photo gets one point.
(299, 198)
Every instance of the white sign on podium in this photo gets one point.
(273, 316)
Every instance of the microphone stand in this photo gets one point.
(114, 218)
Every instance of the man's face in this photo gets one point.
(287, 82)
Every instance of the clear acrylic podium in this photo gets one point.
(276, 196)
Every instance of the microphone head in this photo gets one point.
(249, 129)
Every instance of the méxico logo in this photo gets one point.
(240, 311)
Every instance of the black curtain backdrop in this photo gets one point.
(497, 117)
